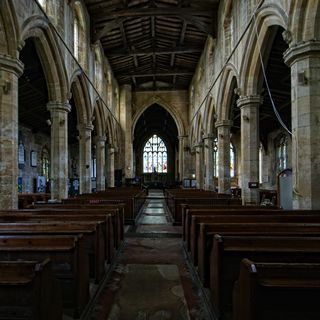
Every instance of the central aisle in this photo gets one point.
(151, 279)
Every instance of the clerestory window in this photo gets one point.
(155, 156)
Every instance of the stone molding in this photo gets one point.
(249, 101)
(223, 123)
(11, 64)
(58, 106)
(208, 136)
(301, 50)
(99, 139)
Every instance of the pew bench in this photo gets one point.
(92, 232)
(28, 291)
(277, 291)
(228, 251)
(69, 263)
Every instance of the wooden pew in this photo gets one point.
(268, 290)
(59, 215)
(69, 263)
(194, 216)
(28, 290)
(92, 231)
(208, 232)
(229, 250)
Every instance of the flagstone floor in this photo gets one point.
(151, 278)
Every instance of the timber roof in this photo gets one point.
(153, 44)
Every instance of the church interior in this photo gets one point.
(160, 159)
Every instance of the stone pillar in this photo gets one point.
(111, 167)
(85, 153)
(199, 165)
(208, 160)
(10, 70)
(224, 182)
(304, 60)
(249, 107)
(59, 149)
(100, 143)
(126, 125)
(183, 154)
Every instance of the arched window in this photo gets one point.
(155, 156)
(42, 3)
(45, 163)
(216, 157)
(281, 152)
(79, 34)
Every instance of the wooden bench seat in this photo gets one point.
(92, 231)
(268, 290)
(208, 232)
(28, 290)
(229, 250)
(69, 262)
(62, 215)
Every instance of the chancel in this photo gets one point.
(159, 159)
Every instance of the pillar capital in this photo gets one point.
(85, 127)
(99, 139)
(302, 50)
(58, 106)
(249, 101)
(208, 136)
(223, 123)
(11, 64)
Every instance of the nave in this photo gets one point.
(151, 277)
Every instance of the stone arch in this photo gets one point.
(110, 130)
(305, 22)
(199, 129)
(210, 114)
(166, 106)
(250, 71)
(98, 113)
(230, 78)
(9, 31)
(37, 27)
(82, 100)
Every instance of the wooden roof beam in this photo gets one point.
(151, 51)
(150, 73)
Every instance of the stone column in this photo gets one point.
(208, 160)
(183, 154)
(100, 143)
(249, 107)
(304, 60)
(126, 125)
(111, 167)
(10, 70)
(199, 165)
(59, 149)
(85, 157)
(224, 182)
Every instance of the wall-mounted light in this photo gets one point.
(6, 86)
(62, 122)
(48, 121)
(220, 136)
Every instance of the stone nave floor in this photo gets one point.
(151, 278)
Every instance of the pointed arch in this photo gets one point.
(270, 15)
(98, 113)
(80, 90)
(210, 115)
(47, 47)
(158, 100)
(229, 81)
(9, 31)
(305, 20)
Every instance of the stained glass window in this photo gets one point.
(76, 37)
(216, 157)
(45, 164)
(281, 153)
(155, 156)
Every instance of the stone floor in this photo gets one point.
(151, 278)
